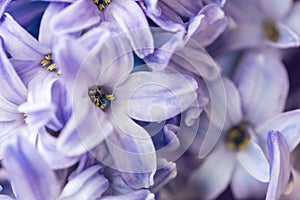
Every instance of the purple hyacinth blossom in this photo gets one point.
(120, 13)
(33, 179)
(260, 23)
(106, 74)
(249, 118)
(280, 168)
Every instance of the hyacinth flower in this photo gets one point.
(105, 87)
(32, 178)
(240, 154)
(30, 56)
(83, 15)
(259, 23)
(204, 27)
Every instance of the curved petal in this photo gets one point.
(31, 176)
(89, 184)
(258, 72)
(133, 152)
(185, 8)
(137, 31)
(293, 18)
(161, 93)
(276, 9)
(18, 42)
(214, 175)
(287, 123)
(8, 110)
(46, 145)
(280, 168)
(3, 6)
(78, 16)
(212, 26)
(45, 32)
(15, 90)
(245, 186)
(255, 162)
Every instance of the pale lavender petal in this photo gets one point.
(133, 152)
(255, 162)
(136, 195)
(166, 18)
(30, 175)
(161, 93)
(75, 18)
(26, 69)
(15, 90)
(87, 128)
(287, 37)
(89, 184)
(5, 197)
(8, 110)
(292, 192)
(46, 146)
(245, 186)
(276, 9)
(287, 123)
(45, 32)
(280, 168)
(212, 26)
(214, 175)
(18, 42)
(185, 8)
(258, 72)
(137, 31)
(293, 17)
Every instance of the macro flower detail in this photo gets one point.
(101, 4)
(238, 137)
(99, 98)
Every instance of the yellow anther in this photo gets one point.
(24, 117)
(107, 1)
(45, 62)
(101, 6)
(51, 67)
(110, 97)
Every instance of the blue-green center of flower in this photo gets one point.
(271, 31)
(101, 4)
(100, 98)
(238, 137)
(49, 64)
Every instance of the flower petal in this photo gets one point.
(20, 45)
(31, 176)
(15, 90)
(137, 31)
(245, 186)
(255, 162)
(293, 18)
(280, 168)
(89, 184)
(260, 71)
(133, 152)
(46, 145)
(276, 9)
(78, 16)
(163, 97)
(136, 195)
(185, 8)
(212, 26)
(214, 175)
(287, 123)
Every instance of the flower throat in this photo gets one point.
(101, 4)
(99, 98)
(238, 137)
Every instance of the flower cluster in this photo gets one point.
(149, 99)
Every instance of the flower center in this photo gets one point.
(271, 31)
(101, 4)
(100, 98)
(238, 137)
(24, 117)
(51, 66)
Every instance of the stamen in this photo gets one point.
(238, 137)
(271, 31)
(99, 98)
(102, 4)
(24, 117)
(49, 64)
